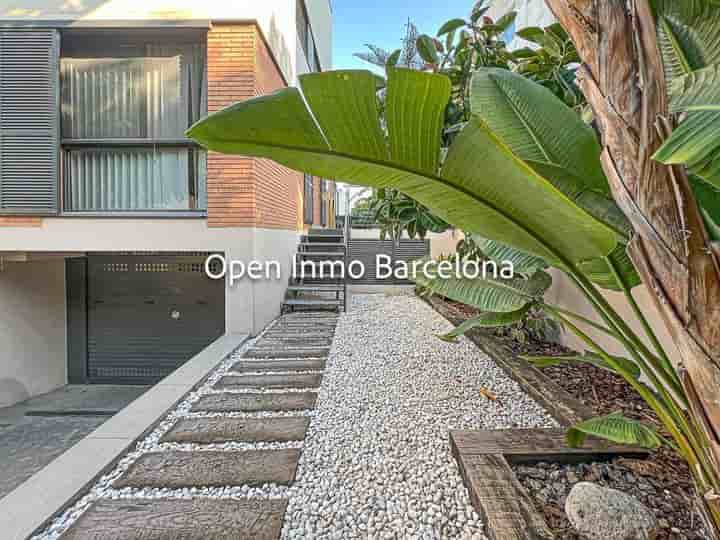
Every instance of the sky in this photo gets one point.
(380, 22)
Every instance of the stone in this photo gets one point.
(273, 380)
(221, 430)
(601, 513)
(254, 402)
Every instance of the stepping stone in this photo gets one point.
(307, 364)
(177, 470)
(299, 335)
(293, 380)
(282, 341)
(292, 401)
(221, 430)
(171, 519)
(294, 352)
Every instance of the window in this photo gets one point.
(308, 199)
(126, 101)
(305, 36)
(324, 203)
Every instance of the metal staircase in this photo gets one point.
(318, 250)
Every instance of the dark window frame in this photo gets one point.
(308, 199)
(306, 36)
(93, 42)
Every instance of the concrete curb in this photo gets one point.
(50, 491)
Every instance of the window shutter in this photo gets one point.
(29, 121)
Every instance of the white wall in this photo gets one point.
(33, 351)
(249, 305)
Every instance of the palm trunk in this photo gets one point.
(623, 80)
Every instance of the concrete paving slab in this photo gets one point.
(281, 380)
(177, 470)
(252, 402)
(308, 364)
(197, 519)
(221, 430)
(289, 352)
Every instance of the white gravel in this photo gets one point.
(376, 462)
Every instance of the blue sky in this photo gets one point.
(380, 22)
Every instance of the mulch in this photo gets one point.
(662, 482)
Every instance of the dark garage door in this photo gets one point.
(148, 314)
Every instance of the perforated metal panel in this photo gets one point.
(29, 121)
(149, 314)
(366, 251)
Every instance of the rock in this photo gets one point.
(608, 514)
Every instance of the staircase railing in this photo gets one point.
(347, 228)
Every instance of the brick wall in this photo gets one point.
(248, 192)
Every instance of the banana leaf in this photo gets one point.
(587, 358)
(616, 428)
(487, 320)
(476, 189)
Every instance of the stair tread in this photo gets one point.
(318, 302)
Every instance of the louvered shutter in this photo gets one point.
(29, 121)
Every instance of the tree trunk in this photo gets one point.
(623, 80)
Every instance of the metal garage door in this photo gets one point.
(148, 314)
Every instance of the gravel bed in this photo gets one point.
(376, 462)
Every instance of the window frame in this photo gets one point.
(140, 38)
(308, 199)
(305, 30)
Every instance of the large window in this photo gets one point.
(126, 101)
(305, 36)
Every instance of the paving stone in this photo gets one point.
(307, 364)
(221, 430)
(298, 335)
(174, 519)
(282, 380)
(285, 342)
(250, 402)
(207, 468)
(290, 352)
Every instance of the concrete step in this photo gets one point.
(330, 303)
(210, 468)
(247, 365)
(296, 380)
(256, 402)
(329, 288)
(251, 430)
(189, 519)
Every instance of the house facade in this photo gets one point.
(108, 212)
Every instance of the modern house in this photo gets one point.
(107, 211)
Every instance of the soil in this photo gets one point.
(662, 482)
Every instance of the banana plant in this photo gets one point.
(524, 171)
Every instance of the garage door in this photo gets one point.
(148, 314)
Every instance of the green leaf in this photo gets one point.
(616, 428)
(708, 197)
(696, 144)
(536, 125)
(532, 33)
(506, 20)
(487, 320)
(524, 263)
(476, 190)
(587, 358)
(450, 26)
(697, 91)
(598, 271)
(487, 293)
(393, 59)
(426, 49)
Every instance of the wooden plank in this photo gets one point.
(255, 402)
(503, 504)
(220, 430)
(292, 380)
(173, 519)
(309, 364)
(211, 469)
(532, 445)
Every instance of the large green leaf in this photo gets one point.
(487, 320)
(616, 428)
(487, 293)
(689, 38)
(476, 189)
(696, 91)
(522, 262)
(599, 272)
(536, 125)
(587, 358)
